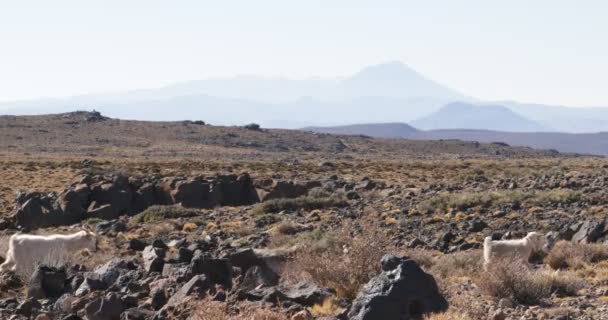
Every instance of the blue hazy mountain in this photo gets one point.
(459, 115)
(383, 92)
(387, 92)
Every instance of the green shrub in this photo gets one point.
(306, 202)
(160, 213)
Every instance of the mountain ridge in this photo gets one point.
(580, 143)
(385, 92)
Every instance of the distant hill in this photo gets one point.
(583, 143)
(563, 119)
(383, 130)
(91, 135)
(461, 115)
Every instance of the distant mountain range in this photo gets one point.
(583, 143)
(388, 92)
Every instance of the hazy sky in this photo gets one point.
(545, 51)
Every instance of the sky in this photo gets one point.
(541, 51)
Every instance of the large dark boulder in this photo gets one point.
(73, 203)
(144, 197)
(117, 193)
(163, 189)
(36, 210)
(402, 291)
(280, 189)
(109, 197)
(236, 190)
(218, 271)
(47, 282)
(244, 259)
(192, 193)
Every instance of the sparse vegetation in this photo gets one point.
(426, 205)
(161, 213)
(306, 203)
(514, 280)
(344, 262)
(459, 264)
(568, 255)
(466, 200)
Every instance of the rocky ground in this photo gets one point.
(294, 234)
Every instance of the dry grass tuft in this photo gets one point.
(307, 203)
(458, 265)
(215, 310)
(568, 255)
(286, 228)
(343, 262)
(514, 280)
(329, 307)
(161, 213)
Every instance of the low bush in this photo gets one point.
(341, 261)
(160, 213)
(513, 280)
(459, 264)
(306, 202)
(568, 255)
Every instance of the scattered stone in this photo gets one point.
(218, 271)
(198, 284)
(46, 282)
(153, 259)
(498, 315)
(136, 245)
(105, 308)
(589, 232)
(28, 307)
(184, 255)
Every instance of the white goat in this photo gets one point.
(25, 249)
(513, 249)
